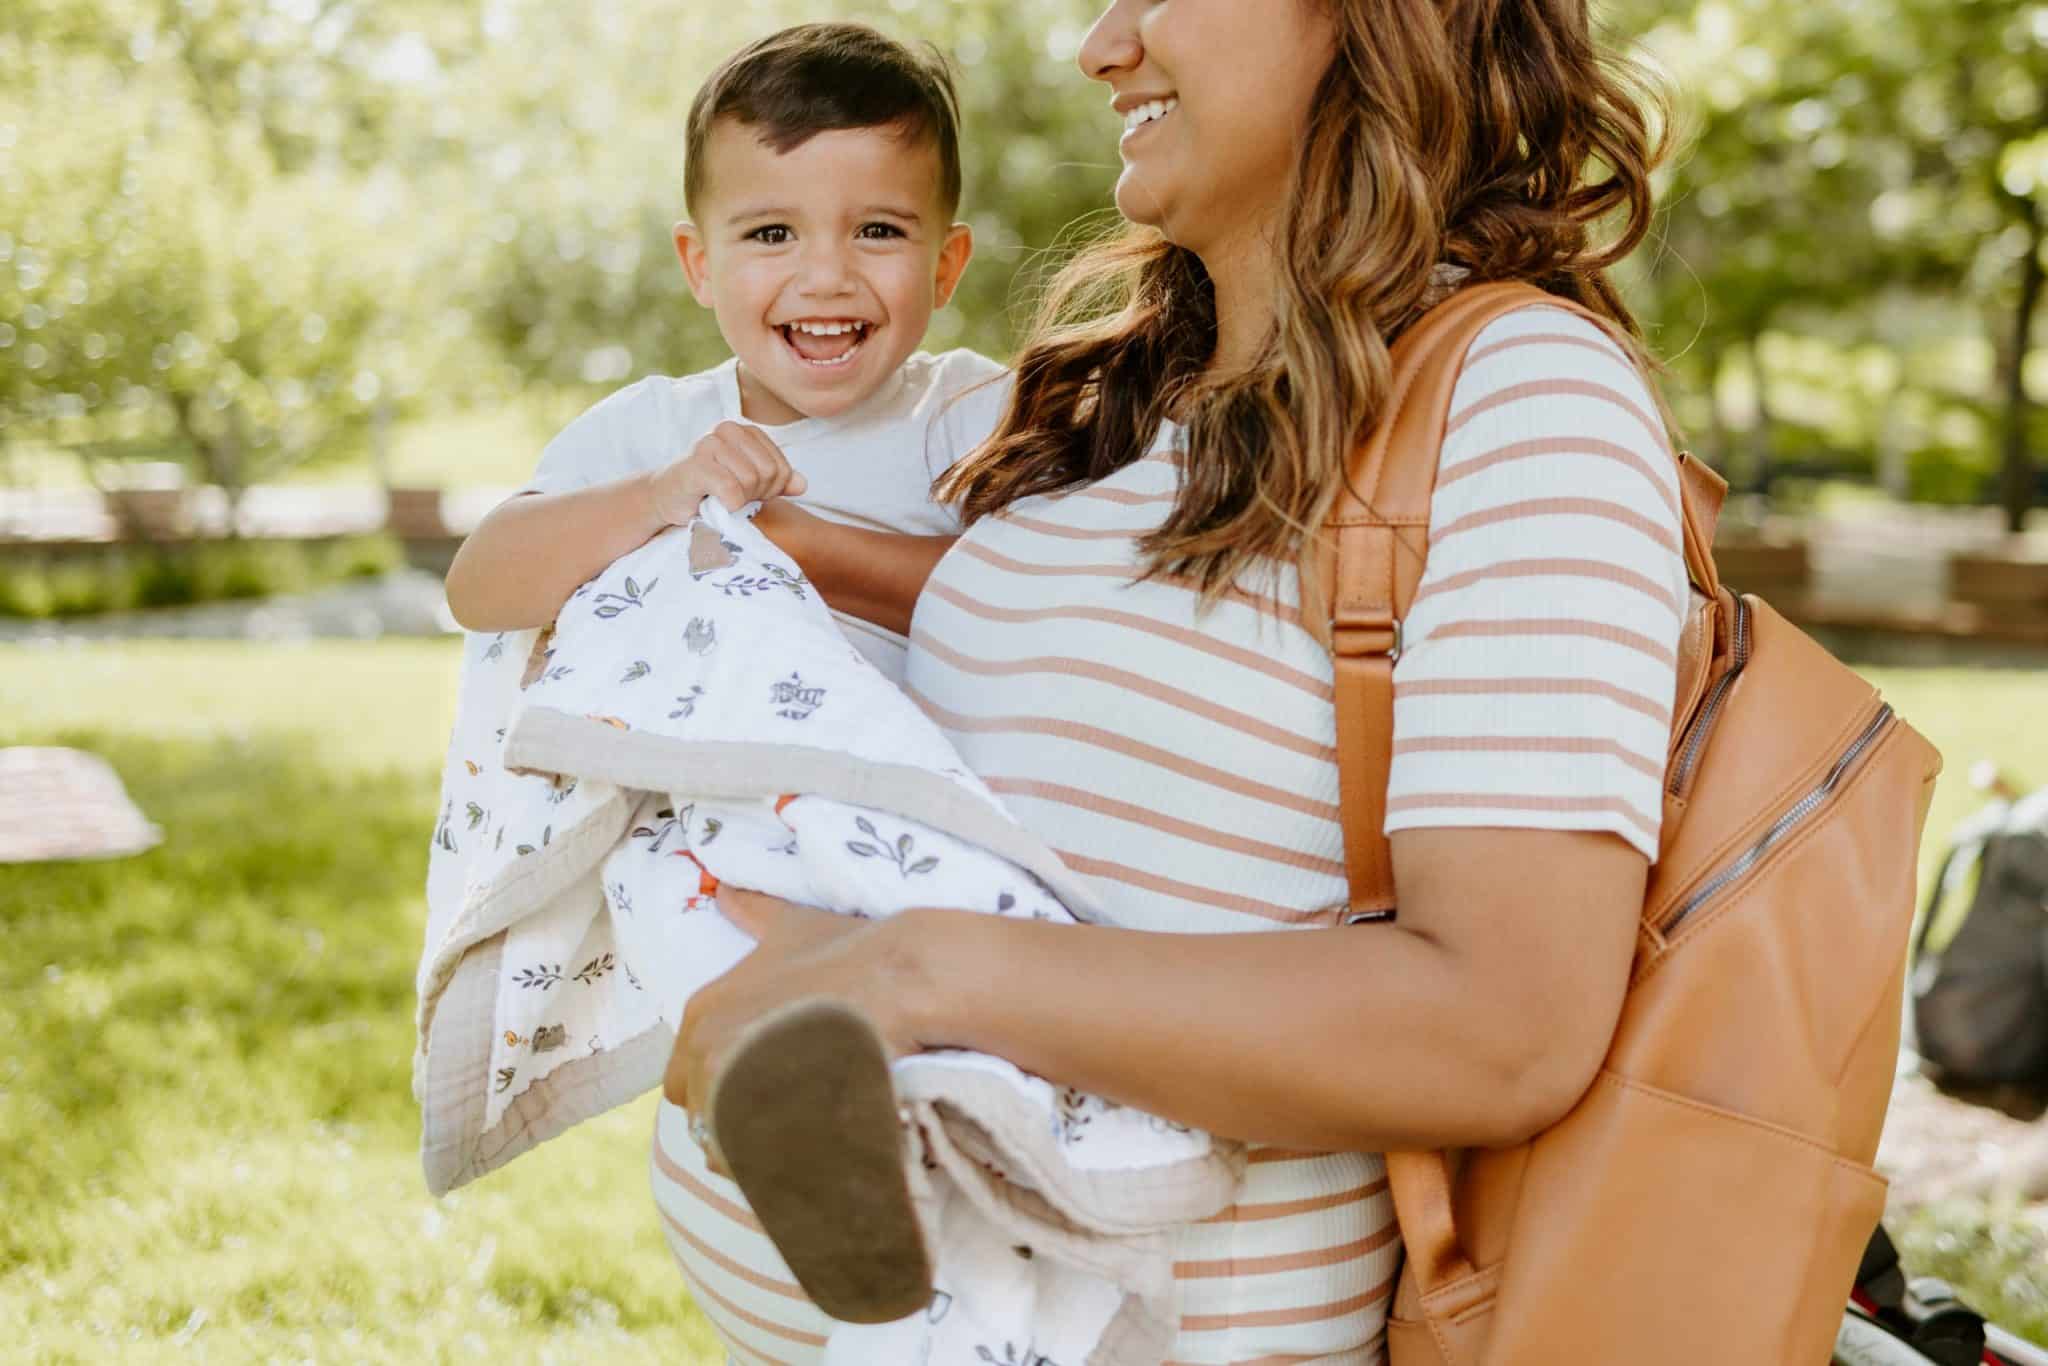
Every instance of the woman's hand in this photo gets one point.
(877, 966)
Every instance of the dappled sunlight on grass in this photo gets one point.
(210, 1139)
(205, 1081)
(343, 705)
(1970, 714)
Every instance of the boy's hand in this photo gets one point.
(735, 463)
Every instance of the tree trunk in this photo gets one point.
(1719, 441)
(2016, 476)
(1894, 459)
(220, 458)
(1761, 439)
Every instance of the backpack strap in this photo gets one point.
(1374, 547)
(1700, 494)
(1375, 544)
(1935, 891)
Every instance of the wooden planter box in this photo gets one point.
(160, 514)
(414, 514)
(1779, 572)
(2004, 586)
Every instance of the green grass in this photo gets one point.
(1970, 714)
(207, 1137)
(1997, 1258)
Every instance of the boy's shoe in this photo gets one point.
(804, 1115)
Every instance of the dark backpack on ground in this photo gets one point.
(1980, 1005)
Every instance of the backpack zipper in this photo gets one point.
(1795, 816)
(1696, 738)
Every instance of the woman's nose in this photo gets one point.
(1112, 44)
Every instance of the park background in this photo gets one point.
(291, 289)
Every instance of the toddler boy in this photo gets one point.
(822, 180)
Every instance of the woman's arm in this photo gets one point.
(1477, 1019)
(873, 575)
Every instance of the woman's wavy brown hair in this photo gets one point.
(1492, 135)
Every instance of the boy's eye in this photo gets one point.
(772, 235)
(875, 232)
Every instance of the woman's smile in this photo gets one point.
(1143, 114)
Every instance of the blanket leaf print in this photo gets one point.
(604, 781)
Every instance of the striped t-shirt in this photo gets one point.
(1186, 763)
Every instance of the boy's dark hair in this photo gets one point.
(820, 78)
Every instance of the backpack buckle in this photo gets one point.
(1372, 631)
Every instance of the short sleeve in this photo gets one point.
(974, 390)
(1540, 665)
(619, 435)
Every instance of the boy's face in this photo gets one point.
(823, 263)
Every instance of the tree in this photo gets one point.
(193, 274)
(1850, 165)
(579, 183)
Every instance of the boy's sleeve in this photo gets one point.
(977, 389)
(608, 441)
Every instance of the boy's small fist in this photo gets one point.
(733, 463)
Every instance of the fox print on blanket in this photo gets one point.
(695, 718)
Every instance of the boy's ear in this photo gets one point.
(954, 255)
(696, 262)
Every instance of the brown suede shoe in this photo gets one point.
(804, 1116)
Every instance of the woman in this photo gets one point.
(1120, 645)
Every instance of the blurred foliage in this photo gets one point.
(1854, 232)
(212, 1152)
(283, 220)
(123, 575)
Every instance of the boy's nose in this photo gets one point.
(825, 270)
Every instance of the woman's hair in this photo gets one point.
(1490, 135)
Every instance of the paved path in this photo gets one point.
(1881, 560)
(285, 510)
(405, 603)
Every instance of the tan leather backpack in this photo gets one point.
(1709, 1196)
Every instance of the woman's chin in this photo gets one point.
(1137, 202)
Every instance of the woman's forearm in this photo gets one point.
(1352, 1039)
(524, 559)
(874, 575)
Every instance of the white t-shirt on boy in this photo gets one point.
(872, 466)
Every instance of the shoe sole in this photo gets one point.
(804, 1115)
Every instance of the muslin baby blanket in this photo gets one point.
(696, 717)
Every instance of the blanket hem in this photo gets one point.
(548, 740)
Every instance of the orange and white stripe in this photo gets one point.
(1185, 763)
(1537, 685)
(735, 1275)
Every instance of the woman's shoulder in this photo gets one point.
(1544, 380)
(1547, 341)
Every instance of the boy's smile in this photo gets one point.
(823, 263)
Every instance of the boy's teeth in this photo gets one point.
(825, 344)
